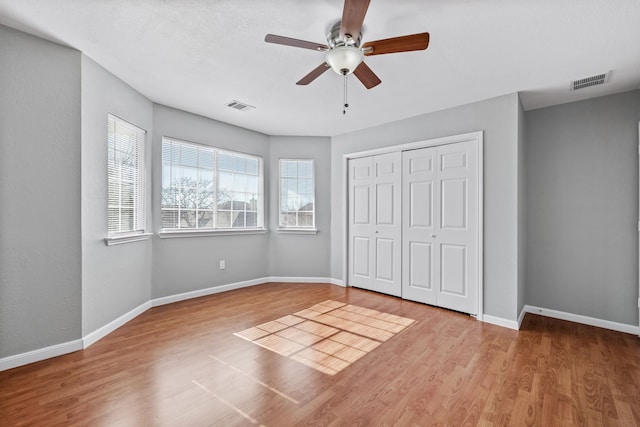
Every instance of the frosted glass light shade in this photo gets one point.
(344, 58)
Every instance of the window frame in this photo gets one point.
(296, 229)
(138, 229)
(214, 230)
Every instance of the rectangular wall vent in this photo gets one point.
(598, 79)
(237, 105)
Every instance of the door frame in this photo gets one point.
(478, 137)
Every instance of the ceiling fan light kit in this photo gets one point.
(344, 54)
(344, 59)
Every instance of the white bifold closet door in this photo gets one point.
(440, 226)
(375, 228)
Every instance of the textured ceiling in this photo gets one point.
(197, 55)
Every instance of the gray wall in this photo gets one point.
(115, 279)
(296, 255)
(498, 118)
(522, 211)
(560, 201)
(582, 207)
(188, 264)
(40, 247)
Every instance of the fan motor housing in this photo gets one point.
(334, 40)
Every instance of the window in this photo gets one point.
(205, 188)
(297, 194)
(126, 179)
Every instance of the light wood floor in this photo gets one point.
(182, 365)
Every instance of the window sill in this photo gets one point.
(127, 238)
(297, 230)
(173, 234)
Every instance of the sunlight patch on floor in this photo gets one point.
(328, 336)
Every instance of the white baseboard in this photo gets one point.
(39, 354)
(223, 288)
(304, 280)
(307, 280)
(207, 291)
(578, 318)
(92, 337)
(102, 332)
(521, 316)
(499, 321)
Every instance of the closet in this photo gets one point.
(415, 223)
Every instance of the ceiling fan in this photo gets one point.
(344, 54)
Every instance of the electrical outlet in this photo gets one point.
(223, 264)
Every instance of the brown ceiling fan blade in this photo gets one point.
(313, 74)
(288, 41)
(353, 17)
(397, 44)
(366, 76)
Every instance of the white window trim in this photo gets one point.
(203, 232)
(173, 234)
(126, 238)
(296, 230)
(168, 233)
(116, 238)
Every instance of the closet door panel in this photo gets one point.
(419, 217)
(387, 231)
(457, 229)
(360, 223)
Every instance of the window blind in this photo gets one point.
(125, 175)
(204, 187)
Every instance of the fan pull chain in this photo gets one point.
(346, 104)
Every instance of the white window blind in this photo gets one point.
(206, 188)
(125, 173)
(297, 194)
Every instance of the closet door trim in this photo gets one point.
(471, 136)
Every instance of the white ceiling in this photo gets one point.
(197, 55)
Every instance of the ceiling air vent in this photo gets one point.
(237, 105)
(598, 79)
